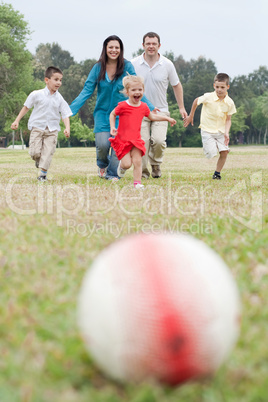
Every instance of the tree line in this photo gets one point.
(22, 72)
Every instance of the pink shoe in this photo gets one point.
(139, 186)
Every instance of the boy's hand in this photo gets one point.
(187, 121)
(113, 131)
(14, 125)
(172, 122)
(226, 139)
(67, 133)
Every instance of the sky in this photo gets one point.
(232, 33)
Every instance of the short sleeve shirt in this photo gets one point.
(214, 112)
(156, 79)
(48, 109)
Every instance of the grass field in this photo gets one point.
(50, 233)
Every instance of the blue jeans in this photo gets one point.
(104, 157)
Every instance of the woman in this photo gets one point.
(107, 74)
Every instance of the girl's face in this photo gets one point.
(113, 50)
(135, 92)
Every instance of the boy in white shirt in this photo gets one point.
(215, 121)
(49, 107)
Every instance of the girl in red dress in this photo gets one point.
(127, 142)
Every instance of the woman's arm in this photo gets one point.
(87, 91)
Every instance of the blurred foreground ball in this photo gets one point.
(159, 306)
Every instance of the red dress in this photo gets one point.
(128, 133)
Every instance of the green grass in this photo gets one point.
(50, 234)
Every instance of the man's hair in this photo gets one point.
(222, 77)
(151, 35)
(129, 79)
(52, 70)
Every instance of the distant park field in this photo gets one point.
(50, 233)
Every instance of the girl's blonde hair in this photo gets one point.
(128, 79)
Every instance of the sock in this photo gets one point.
(217, 173)
(136, 182)
(43, 172)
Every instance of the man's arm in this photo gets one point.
(178, 92)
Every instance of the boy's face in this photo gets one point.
(54, 82)
(221, 89)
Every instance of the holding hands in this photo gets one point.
(188, 120)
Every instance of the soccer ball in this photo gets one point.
(162, 307)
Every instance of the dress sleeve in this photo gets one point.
(87, 91)
(146, 110)
(118, 109)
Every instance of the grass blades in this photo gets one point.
(50, 233)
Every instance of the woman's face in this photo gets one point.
(113, 49)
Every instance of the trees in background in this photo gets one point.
(197, 77)
(260, 117)
(16, 71)
(21, 73)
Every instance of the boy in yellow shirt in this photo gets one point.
(215, 121)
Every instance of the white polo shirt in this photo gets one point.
(156, 79)
(48, 109)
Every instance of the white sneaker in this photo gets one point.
(139, 186)
(42, 178)
(102, 172)
(120, 171)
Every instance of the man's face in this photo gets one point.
(151, 46)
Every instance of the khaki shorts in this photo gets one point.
(42, 146)
(213, 143)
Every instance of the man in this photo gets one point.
(158, 72)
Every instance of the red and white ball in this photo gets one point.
(159, 306)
